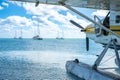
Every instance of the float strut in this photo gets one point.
(116, 52)
(99, 59)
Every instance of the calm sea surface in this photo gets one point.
(27, 59)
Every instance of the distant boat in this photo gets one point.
(37, 37)
(20, 34)
(58, 36)
(20, 37)
(15, 37)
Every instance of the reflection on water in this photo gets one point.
(42, 60)
(34, 65)
(66, 45)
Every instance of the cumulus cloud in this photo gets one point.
(49, 18)
(12, 23)
(5, 4)
(16, 21)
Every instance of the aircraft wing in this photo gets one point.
(95, 4)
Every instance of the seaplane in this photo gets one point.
(105, 32)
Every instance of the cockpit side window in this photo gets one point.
(117, 19)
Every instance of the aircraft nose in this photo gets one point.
(89, 29)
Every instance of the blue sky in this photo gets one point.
(50, 19)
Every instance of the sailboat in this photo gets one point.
(15, 37)
(37, 37)
(20, 34)
(58, 36)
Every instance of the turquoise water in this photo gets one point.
(27, 59)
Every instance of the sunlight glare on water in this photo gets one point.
(29, 59)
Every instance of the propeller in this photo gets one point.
(83, 30)
(87, 43)
(76, 24)
(37, 3)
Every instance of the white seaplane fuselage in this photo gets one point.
(99, 35)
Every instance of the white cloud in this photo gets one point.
(50, 21)
(101, 13)
(5, 4)
(16, 3)
(18, 21)
(1, 8)
(12, 23)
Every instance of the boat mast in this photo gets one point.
(15, 34)
(20, 33)
(38, 32)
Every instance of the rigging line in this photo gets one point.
(107, 60)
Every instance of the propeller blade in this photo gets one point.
(37, 3)
(76, 24)
(87, 43)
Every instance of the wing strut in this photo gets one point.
(84, 16)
